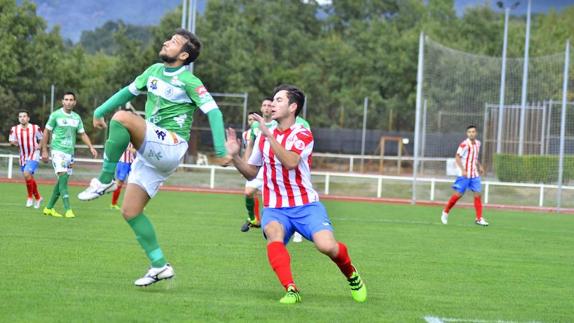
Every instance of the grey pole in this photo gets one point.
(502, 84)
(52, 97)
(245, 96)
(418, 115)
(305, 109)
(524, 83)
(563, 126)
(191, 22)
(364, 135)
(183, 13)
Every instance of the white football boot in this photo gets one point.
(297, 237)
(154, 275)
(29, 202)
(38, 202)
(444, 218)
(482, 222)
(97, 189)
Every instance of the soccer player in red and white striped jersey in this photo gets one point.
(290, 202)
(27, 137)
(470, 171)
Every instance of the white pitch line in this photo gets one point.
(435, 319)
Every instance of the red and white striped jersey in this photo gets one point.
(468, 153)
(128, 156)
(28, 140)
(283, 187)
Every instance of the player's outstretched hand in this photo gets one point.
(94, 152)
(232, 143)
(225, 161)
(99, 123)
(264, 130)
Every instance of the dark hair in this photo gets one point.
(192, 46)
(252, 112)
(294, 94)
(24, 111)
(471, 126)
(267, 98)
(69, 93)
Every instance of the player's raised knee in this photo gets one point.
(123, 116)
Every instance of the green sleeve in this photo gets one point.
(216, 123)
(122, 97)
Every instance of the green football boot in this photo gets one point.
(292, 296)
(358, 287)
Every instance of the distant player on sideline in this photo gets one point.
(291, 203)
(173, 95)
(123, 170)
(467, 162)
(27, 137)
(63, 126)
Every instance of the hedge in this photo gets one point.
(532, 168)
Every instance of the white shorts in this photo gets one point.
(257, 182)
(158, 157)
(62, 162)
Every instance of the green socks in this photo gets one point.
(63, 188)
(117, 142)
(55, 195)
(145, 235)
(250, 206)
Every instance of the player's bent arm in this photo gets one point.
(121, 97)
(289, 159)
(217, 131)
(247, 170)
(45, 140)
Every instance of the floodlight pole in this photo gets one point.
(563, 126)
(524, 83)
(418, 115)
(364, 134)
(502, 84)
(52, 97)
(183, 13)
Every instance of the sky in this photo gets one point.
(74, 16)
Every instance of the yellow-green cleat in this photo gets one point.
(115, 207)
(358, 288)
(51, 212)
(292, 296)
(70, 214)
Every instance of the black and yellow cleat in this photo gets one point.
(358, 288)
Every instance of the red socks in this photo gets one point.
(256, 209)
(280, 261)
(453, 199)
(30, 187)
(478, 207)
(343, 260)
(116, 195)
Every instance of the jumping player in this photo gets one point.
(466, 159)
(173, 95)
(27, 137)
(290, 202)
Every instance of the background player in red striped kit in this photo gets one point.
(122, 171)
(290, 202)
(470, 171)
(27, 137)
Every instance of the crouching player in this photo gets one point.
(290, 202)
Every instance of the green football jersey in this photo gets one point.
(64, 127)
(255, 126)
(173, 95)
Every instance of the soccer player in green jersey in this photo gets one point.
(63, 126)
(173, 95)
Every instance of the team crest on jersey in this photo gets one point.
(299, 144)
(168, 91)
(153, 85)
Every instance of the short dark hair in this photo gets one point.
(294, 94)
(24, 111)
(267, 98)
(192, 46)
(471, 126)
(252, 112)
(69, 93)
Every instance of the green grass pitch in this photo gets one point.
(518, 269)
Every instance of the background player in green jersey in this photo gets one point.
(63, 126)
(173, 95)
